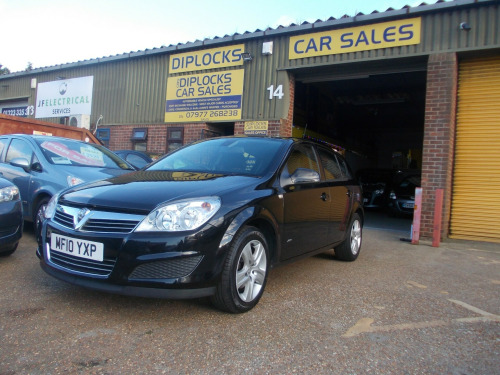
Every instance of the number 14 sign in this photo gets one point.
(275, 93)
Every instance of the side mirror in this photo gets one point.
(21, 163)
(304, 175)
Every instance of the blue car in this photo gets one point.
(41, 166)
(11, 217)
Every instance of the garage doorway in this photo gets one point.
(371, 112)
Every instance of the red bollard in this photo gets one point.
(438, 214)
(417, 211)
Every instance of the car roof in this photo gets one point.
(43, 137)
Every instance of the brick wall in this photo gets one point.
(157, 135)
(439, 138)
(287, 124)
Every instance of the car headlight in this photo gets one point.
(50, 210)
(72, 181)
(182, 215)
(9, 193)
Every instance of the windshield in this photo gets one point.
(68, 152)
(242, 156)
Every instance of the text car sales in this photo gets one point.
(214, 84)
(351, 39)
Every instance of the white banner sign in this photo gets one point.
(64, 98)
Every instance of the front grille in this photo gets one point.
(64, 219)
(166, 269)
(83, 265)
(114, 226)
(96, 221)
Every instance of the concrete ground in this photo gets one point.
(398, 309)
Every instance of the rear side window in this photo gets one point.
(19, 149)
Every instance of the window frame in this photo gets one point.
(175, 140)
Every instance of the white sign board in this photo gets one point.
(64, 98)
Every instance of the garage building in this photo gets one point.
(416, 87)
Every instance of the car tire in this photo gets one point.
(349, 249)
(39, 215)
(9, 252)
(244, 274)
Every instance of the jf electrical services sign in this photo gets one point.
(213, 96)
(382, 35)
(64, 98)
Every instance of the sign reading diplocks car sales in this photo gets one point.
(213, 96)
(64, 98)
(381, 35)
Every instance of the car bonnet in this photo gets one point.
(142, 191)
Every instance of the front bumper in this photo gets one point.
(127, 290)
(402, 206)
(161, 265)
(11, 225)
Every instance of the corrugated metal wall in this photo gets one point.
(15, 88)
(132, 90)
(475, 213)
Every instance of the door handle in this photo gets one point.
(324, 197)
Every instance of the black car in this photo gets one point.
(374, 182)
(401, 193)
(210, 219)
(11, 217)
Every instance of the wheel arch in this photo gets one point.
(36, 201)
(261, 219)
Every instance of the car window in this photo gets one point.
(344, 168)
(248, 156)
(3, 144)
(330, 164)
(302, 156)
(408, 184)
(69, 152)
(136, 160)
(19, 149)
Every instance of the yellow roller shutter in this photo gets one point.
(475, 209)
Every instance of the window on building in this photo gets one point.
(139, 139)
(175, 138)
(103, 135)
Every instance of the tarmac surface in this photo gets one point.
(398, 309)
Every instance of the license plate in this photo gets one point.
(365, 200)
(76, 247)
(408, 205)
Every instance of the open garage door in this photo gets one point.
(475, 210)
(374, 110)
(374, 113)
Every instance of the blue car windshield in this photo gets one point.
(233, 156)
(68, 152)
